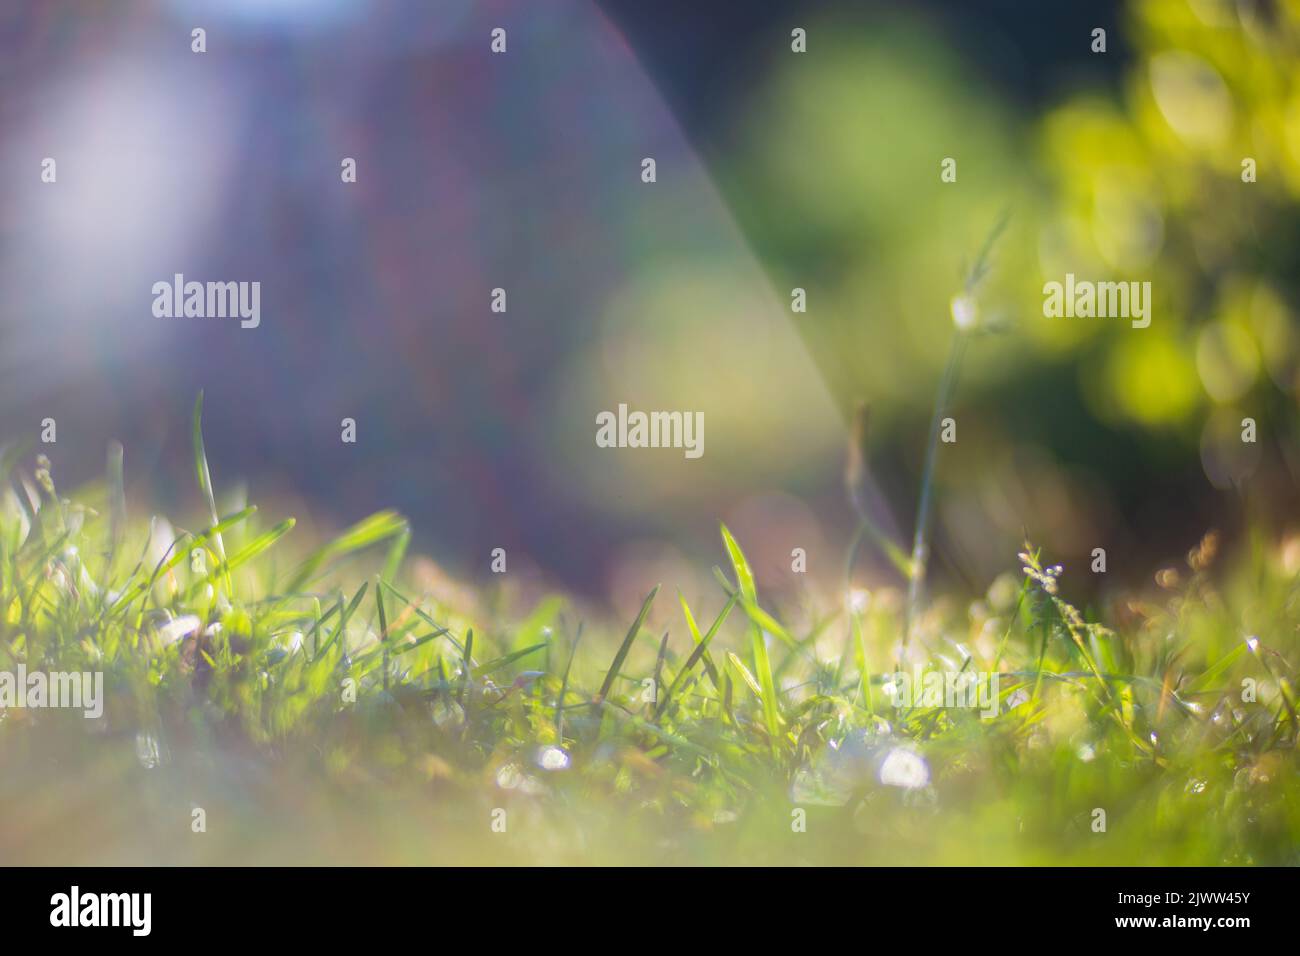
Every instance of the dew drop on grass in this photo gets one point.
(964, 312)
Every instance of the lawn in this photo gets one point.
(274, 700)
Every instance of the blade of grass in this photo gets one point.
(424, 616)
(319, 621)
(659, 668)
(314, 630)
(626, 646)
(467, 665)
(758, 644)
(497, 663)
(383, 629)
(943, 396)
(925, 506)
(564, 688)
(174, 556)
(396, 554)
(247, 553)
(701, 649)
(745, 675)
(205, 482)
(1216, 670)
(369, 531)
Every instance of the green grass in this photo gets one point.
(338, 715)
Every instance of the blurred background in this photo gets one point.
(775, 170)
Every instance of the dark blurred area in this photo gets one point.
(702, 57)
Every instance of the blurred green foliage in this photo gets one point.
(837, 180)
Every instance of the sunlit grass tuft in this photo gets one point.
(321, 709)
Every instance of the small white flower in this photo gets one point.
(553, 758)
(904, 768)
(1018, 697)
(509, 777)
(173, 631)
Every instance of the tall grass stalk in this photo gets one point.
(943, 397)
(925, 506)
